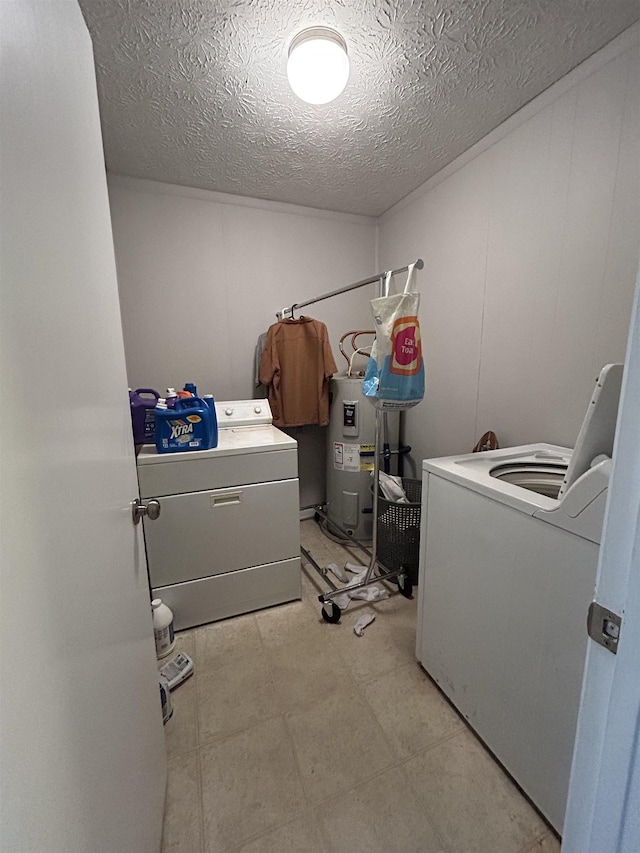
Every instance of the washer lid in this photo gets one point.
(599, 425)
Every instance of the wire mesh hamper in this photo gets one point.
(399, 531)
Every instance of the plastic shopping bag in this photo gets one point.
(394, 378)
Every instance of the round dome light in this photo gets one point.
(318, 65)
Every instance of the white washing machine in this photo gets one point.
(227, 540)
(509, 551)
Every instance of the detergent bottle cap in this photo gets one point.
(171, 392)
(161, 404)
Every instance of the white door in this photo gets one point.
(603, 810)
(82, 764)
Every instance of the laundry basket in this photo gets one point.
(398, 531)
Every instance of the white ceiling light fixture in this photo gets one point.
(318, 65)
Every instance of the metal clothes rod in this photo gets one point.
(288, 312)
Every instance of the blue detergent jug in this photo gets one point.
(189, 426)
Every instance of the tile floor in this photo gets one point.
(296, 735)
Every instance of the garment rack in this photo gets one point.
(330, 610)
(288, 312)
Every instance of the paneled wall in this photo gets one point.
(202, 274)
(530, 244)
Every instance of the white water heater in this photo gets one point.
(350, 455)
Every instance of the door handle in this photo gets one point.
(228, 499)
(139, 509)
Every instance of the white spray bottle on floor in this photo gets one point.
(162, 628)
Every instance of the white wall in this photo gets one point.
(530, 243)
(202, 274)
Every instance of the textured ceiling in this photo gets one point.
(194, 92)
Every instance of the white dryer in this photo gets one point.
(509, 551)
(227, 540)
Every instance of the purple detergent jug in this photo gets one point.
(143, 415)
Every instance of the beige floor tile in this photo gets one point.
(308, 670)
(310, 531)
(470, 800)
(340, 738)
(227, 640)
(410, 709)
(312, 584)
(386, 645)
(338, 744)
(547, 844)
(250, 783)
(299, 836)
(181, 730)
(324, 550)
(401, 610)
(312, 538)
(182, 830)
(323, 556)
(235, 695)
(379, 816)
(310, 534)
(291, 624)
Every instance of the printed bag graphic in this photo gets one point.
(394, 378)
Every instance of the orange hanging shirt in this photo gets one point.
(296, 364)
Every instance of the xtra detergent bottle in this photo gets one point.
(185, 427)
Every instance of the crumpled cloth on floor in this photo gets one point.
(343, 600)
(367, 593)
(338, 572)
(361, 624)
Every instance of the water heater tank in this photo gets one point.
(350, 455)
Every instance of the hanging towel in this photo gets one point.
(296, 365)
(262, 339)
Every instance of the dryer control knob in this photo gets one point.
(228, 412)
(257, 409)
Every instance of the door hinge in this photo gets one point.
(603, 626)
